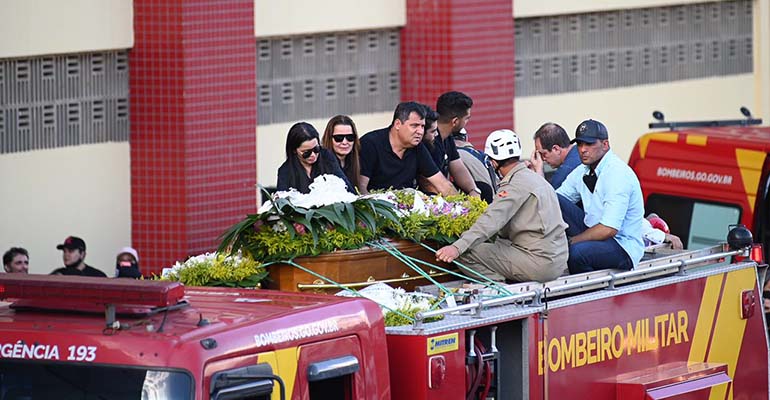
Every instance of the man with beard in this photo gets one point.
(454, 112)
(74, 255)
(395, 156)
(607, 231)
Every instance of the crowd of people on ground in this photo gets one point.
(588, 216)
(16, 260)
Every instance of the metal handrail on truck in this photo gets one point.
(668, 264)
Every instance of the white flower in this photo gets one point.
(207, 259)
(419, 206)
(393, 299)
(325, 190)
(458, 210)
(387, 196)
(279, 227)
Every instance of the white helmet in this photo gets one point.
(503, 144)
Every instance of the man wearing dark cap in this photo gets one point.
(607, 232)
(74, 255)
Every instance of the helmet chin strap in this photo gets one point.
(497, 168)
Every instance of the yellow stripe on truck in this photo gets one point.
(284, 364)
(697, 140)
(706, 313)
(750, 164)
(727, 339)
(644, 141)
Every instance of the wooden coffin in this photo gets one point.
(356, 269)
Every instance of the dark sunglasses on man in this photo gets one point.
(307, 153)
(351, 137)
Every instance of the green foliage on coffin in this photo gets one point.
(287, 230)
(433, 218)
(291, 228)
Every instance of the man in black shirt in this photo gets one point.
(74, 255)
(395, 156)
(454, 112)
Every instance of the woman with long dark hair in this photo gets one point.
(341, 137)
(306, 160)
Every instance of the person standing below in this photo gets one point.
(127, 264)
(454, 112)
(395, 156)
(552, 146)
(524, 217)
(341, 138)
(74, 255)
(306, 160)
(16, 260)
(607, 232)
(478, 165)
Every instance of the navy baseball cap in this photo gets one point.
(72, 242)
(589, 131)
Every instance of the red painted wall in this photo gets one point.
(193, 120)
(464, 45)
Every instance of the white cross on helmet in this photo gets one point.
(503, 144)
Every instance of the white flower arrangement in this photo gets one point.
(394, 299)
(325, 190)
(216, 269)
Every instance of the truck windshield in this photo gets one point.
(32, 381)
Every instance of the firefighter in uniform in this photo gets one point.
(524, 222)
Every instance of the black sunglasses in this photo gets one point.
(350, 137)
(306, 154)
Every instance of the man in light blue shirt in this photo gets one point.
(607, 232)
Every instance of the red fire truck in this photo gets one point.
(96, 338)
(684, 325)
(701, 176)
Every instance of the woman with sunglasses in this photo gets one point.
(306, 160)
(341, 137)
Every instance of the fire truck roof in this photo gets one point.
(236, 319)
(750, 137)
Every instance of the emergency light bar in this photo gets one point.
(748, 121)
(53, 289)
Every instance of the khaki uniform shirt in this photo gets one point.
(526, 212)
